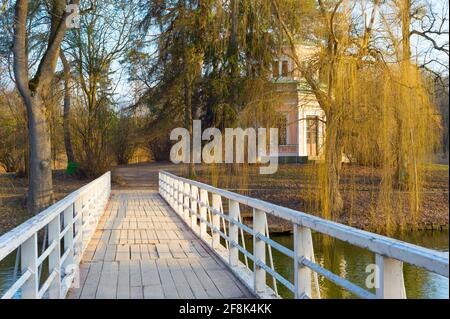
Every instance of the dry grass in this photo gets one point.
(13, 191)
(294, 186)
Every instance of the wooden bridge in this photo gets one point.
(185, 241)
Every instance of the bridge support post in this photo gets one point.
(259, 250)
(203, 212)
(175, 196)
(79, 231)
(389, 279)
(303, 249)
(187, 203)
(234, 232)
(180, 198)
(68, 238)
(216, 221)
(172, 192)
(54, 260)
(29, 256)
(194, 207)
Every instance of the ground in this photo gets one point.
(13, 191)
(291, 187)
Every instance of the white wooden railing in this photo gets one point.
(68, 227)
(191, 200)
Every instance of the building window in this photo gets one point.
(312, 135)
(276, 69)
(282, 129)
(285, 69)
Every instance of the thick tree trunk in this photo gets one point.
(67, 106)
(40, 191)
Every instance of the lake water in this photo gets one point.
(350, 262)
(343, 259)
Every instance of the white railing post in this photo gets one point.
(194, 207)
(303, 249)
(203, 212)
(85, 221)
(389, 278)
(176, 196)
(187, 203)
(79, 230)
(68, 238)
(180, 198)
(234, 232)
(216, 220)
(259, 250)
(54, 259)
(29, 256)
(173, 192)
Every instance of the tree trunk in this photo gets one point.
(67, 105)
(33, 93)
(401, 175)
(40, 191)
(188, 118)
(332, 201)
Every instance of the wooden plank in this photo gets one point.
(153, 292)
(189, 250)
(115, 237)
(92, 280)
(131, 237)
(136, 293)
(181, 284)
(135, 252)
(176, 250)
(222, 279)
(152, 251)
(124, 236)
(162, 234)
(135, 273)
(110, 254)
(107, 287)
(75, 293)
(123, 284)
(194, 282)
(100, 251)
(206, 282)
(200, 249)
(123, 252)
(169, 288)
(149, 273)
(163, 251)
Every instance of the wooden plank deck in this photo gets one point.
(143, 250)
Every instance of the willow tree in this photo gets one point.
(377, 102)
(332, 26)
(34, 92)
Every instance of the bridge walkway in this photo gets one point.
(143, 250)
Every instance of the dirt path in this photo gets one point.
(140, 176)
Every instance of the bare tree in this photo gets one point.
(67, 105)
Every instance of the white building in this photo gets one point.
(301, 135)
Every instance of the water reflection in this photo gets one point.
(350, 262)
(345, 260)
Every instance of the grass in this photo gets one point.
(295, 186)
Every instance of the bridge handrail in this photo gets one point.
(74, 219)
(390, 252)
